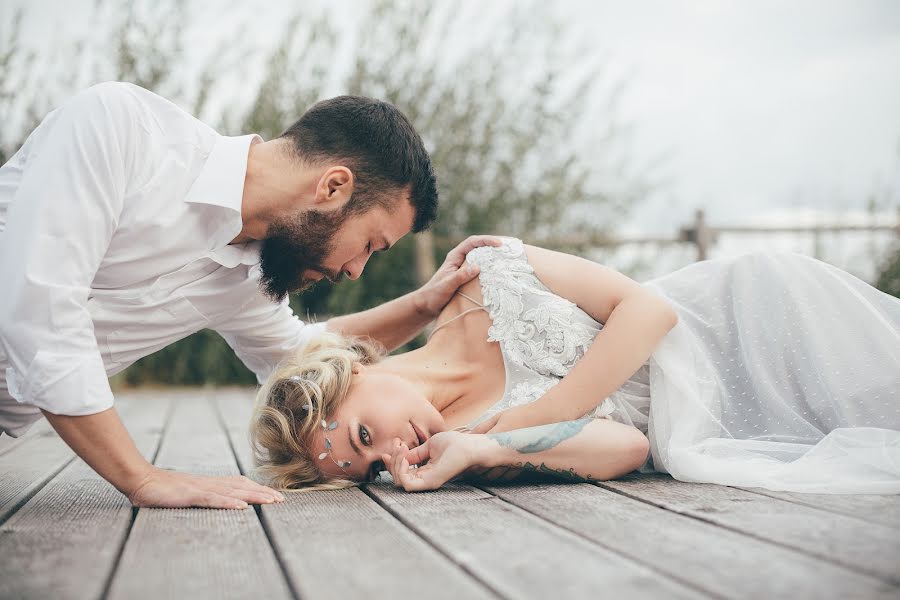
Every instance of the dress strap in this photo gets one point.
(462, 314)
(471, 299)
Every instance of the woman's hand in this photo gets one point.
(442, 457)
(518, 417)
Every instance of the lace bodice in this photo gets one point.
(541, 335)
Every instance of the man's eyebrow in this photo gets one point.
(352, 443)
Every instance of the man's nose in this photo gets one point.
(355, 267)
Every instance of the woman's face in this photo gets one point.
(380, 409)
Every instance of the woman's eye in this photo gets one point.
(369, 248)
(364, 436)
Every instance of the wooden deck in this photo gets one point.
(65, 533)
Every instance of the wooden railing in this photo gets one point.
(699, 233)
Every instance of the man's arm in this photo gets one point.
(396, 322)
(104, 443)
(66, 208)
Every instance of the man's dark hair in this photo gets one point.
(378, 143)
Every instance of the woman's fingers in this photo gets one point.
(398, 459)
(486, 426)
(419, 454)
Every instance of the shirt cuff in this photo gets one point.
(63, 384)
(313, 330)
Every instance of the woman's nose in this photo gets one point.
(388, 446)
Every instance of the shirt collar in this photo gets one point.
(221, 182)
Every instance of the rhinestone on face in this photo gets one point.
(334, 425)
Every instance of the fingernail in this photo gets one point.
(242, 505)
(280, 497)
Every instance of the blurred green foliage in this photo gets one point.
(889, 279)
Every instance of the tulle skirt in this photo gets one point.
(783, 373)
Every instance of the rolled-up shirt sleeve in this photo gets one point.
(59, 225)
(264, 333)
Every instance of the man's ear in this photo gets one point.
(334, 188)
(358, 368)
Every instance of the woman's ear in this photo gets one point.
(358, 368)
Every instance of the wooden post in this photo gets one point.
(817, 243)
(425, 265)
(702, 235)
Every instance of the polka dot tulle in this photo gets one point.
(783, 373)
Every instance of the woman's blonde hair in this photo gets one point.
(318, 375)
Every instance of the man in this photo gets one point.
(128, 224)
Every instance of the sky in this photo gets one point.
(761, 105)
(765, 111)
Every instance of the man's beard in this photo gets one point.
(293, 245)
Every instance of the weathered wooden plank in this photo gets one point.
(519, 555)
(65, 542)
(862, 546)
(342, 544)
(27, 466)
(880, 509)
(25, 469)
(197, 553)
(724, 563)
(7, 443)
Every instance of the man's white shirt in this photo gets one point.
(115, 220)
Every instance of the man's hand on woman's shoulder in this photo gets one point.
(435, 294)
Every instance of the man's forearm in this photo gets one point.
(392, 324)
(102, 441)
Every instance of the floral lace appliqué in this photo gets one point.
(546, 338)
(527, 392)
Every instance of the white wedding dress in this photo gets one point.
(783, 372)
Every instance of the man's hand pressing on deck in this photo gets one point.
(170, 489)
(102, 441)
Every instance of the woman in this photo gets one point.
(776, 371)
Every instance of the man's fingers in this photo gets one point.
(458, 254)
(465, 274)
(476, 241)
(250, 496)
(215, 500)
(245, 483)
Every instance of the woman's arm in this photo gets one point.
(579, 450)
(635, 320)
